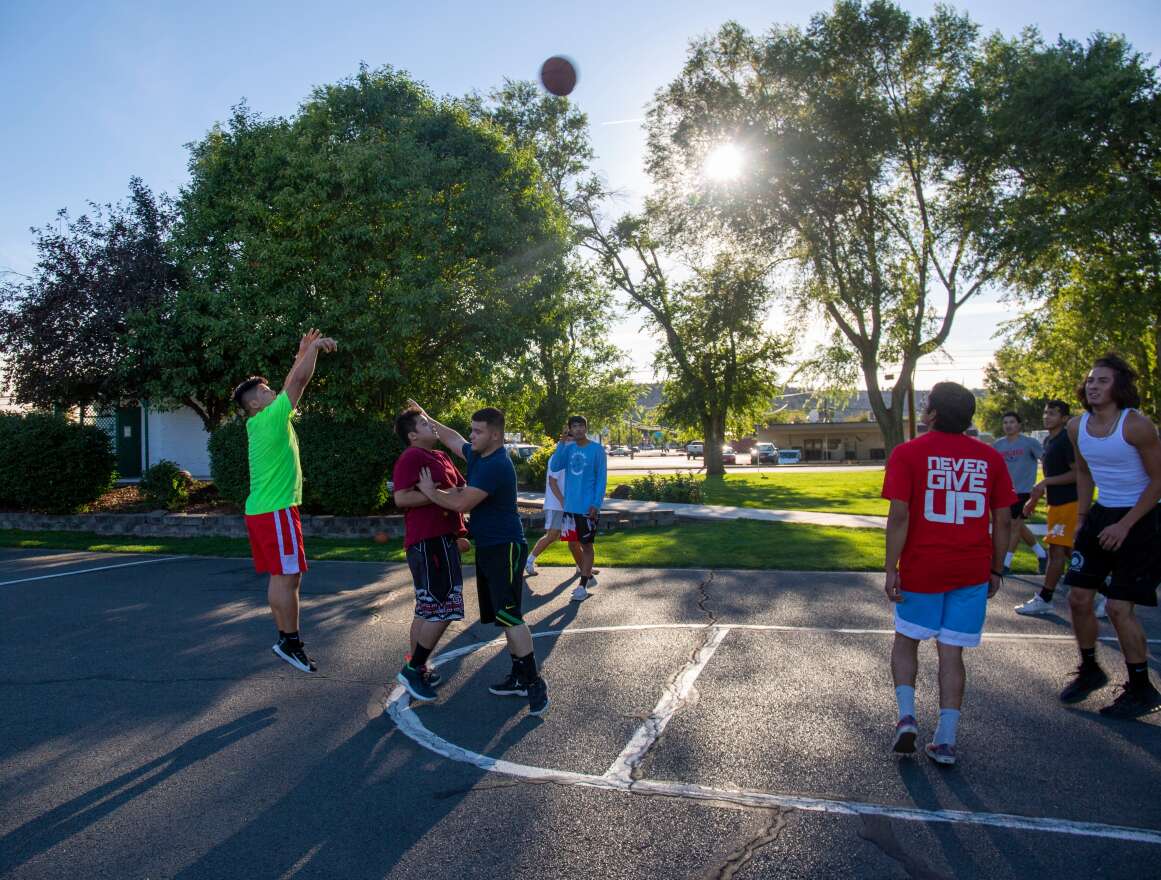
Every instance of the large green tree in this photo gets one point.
(1080, 127)
(570, 366)
(851, 133)
(717, 358)
(63, 330)
(413, 234)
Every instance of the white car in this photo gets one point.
(695, 449)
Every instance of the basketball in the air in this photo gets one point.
(381, 538)
(558, 75)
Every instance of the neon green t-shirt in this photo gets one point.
(275, 472)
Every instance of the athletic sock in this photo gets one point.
(1088, 657)
(290, 637)
(1039, 551)
(1138, 675)
(525, 667)
(419, 656)
(905, 697)
(1008, 560)
(1047, 594)
(531, 558)
(945, 731)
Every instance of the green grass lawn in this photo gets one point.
(738, 544)
(838, 492)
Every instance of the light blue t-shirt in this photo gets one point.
(585, 474)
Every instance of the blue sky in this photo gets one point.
(95, 92)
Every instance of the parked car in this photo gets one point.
(763, 453)
(728, 455)
(695, 449)
(619, 450)
(789, 456)
(523, 451)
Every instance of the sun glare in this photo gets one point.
(724, 162)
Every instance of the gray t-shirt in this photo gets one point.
(1021, 456)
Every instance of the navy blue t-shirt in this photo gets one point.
(494, 520)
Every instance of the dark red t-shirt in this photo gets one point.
(429, 521)
(950, 483)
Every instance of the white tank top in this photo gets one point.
(1115, 464)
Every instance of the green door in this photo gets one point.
(129, 441)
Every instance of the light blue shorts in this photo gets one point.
(953, 618)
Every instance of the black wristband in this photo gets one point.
(998, 574)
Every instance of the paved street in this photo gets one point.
(704, 724)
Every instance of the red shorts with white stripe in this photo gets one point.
(276, 542)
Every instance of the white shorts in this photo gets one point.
(553, 519)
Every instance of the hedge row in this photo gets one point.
(51, 465)
(345, 465)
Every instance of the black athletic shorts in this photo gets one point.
(439, 580)
(1018, 508)
(1135, 567)
(586, 528)
(500, 582)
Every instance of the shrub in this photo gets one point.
(229, 461)
(533, 471)
(166, 484)
(675, 488)
(50, 464)
(346, 465)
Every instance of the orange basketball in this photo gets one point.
(558, 75)
(381, 538)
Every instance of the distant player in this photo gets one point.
(432, 538)
(490, 495)
(272, 519)
(1022, 454)
(942, 565)
(1118, 537)
(1059, 484)
(553, 521)
(585, 481)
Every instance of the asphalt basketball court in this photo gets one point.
(724, 724)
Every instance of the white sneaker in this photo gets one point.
(592, 584)
(580, 594)
(1099, 608)
(1035, 605)
(530, 567)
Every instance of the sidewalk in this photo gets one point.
(713, 512)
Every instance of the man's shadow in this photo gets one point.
(47, 830)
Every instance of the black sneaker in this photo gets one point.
(413, 681)
(432, 677)
(1133, 702)
(538, 697)
(1085, 680)
(295, 654)
(510, 687)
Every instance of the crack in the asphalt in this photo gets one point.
(636, 762)
(879, 831)
(740, 857)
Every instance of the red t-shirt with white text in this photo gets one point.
(429, 521)
(950, 482)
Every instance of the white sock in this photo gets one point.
(1039, 550)
(531, 559)
(905, 697)
(1008, 559)
(945, 731)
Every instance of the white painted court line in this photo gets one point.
(673, 698)
(61, 574)
(399, 708)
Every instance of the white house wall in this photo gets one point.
(179, 436)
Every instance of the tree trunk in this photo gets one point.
(889, 418)
(714, 427)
